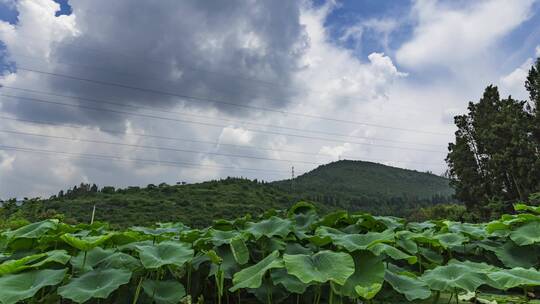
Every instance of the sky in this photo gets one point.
(128, 93)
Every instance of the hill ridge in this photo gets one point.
(346, 184)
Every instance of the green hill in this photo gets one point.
(367, 186)
(351, 185)
(193, 204)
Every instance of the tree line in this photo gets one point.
(495, 159)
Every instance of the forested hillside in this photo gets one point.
(373, 187)
(351, 185)
(193, 204)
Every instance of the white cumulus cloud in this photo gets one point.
(336, 151)
(235, 136)
(514, 83)
(448, 35)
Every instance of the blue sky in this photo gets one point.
(10, 14)
(349, 13)
(521, 42)
(390, 74)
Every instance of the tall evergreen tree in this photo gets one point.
(533, 86)
(496, 152)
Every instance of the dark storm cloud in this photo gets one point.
(233, 51)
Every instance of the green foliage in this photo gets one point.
(351, 185)
(85, 243)
(526, 234)
(367, 279)
(324, 266)
(278, 257)
(495, 159)
(369, 187)
(453, 277)
(453, 212)
(34, 261)
(17, 287)
(164, 253)
(516, 277)
(251, 277)
(99, 283)
(164, 292)
(408, 285)
(32, 231)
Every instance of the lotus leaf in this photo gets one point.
(321, 267)
(17, 287)
(251, 277)
(164, 292)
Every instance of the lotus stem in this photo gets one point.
(137, 291)
(437, 296)
(318, 295)
(84, 261)
(219, 284)
(189, 278)
(450, 300)
(93, 214)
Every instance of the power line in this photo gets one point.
(156, 136)
(209, 124)
(189, 67)
(125, 54)
(108, 69)
(145, 135)
(208, 117)
(216, 101)
(136, 160)
(155, 147)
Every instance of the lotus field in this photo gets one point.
(281, 257)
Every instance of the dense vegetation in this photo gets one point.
(193, 204)
(370, 187)
(495, 159)
(280, 257)
(350, 185)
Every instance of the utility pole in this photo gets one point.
(292, 178)
(93, 214)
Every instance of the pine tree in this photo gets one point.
(494, 157)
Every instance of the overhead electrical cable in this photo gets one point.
(156, 147)
(126, 54)
(214, 143)
(137, 160)
(210, 124)
(216, 101)
(137, 107)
